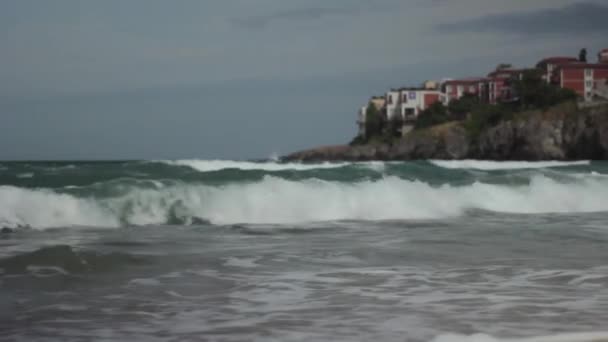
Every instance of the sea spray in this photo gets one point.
(275, 200)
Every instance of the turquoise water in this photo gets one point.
(234, 251)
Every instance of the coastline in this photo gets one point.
(564, 133)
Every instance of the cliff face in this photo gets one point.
(561, 133)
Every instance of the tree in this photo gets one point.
(582, 55)
(395, 124)
(484, 116)
(434, 115)
(503, 66)
(534, 93)
(373, 121)
(459, 108)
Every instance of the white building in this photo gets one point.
(414, 101)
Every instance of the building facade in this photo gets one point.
(415, 100)
(583, 78)
(549, 65)
(455, 89)
(500, 86)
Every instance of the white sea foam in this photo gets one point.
(279, 201)
(25, 175)
(506, 165)
(217, 165)
(566, 337)
(45, 208)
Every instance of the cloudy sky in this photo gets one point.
(246, 78)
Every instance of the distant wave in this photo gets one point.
(506, 165)
(278, 201)
(565, 337)
(218, 165)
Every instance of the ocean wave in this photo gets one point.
(278, 201)
(564, 337)
(218, 165)
(504, 165)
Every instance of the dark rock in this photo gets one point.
(561, 133)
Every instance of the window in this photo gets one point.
(589, 84)
(448, 89)
(472, 89)
(588, 73)
(390, 99)
(404, 97)
(412, 95)
(460, 89)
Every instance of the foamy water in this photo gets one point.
(505, 165)
(277, 201)
(410, 251)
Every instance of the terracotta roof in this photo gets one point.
(466, 80)
(583, 66)
(506, 71)
(553, 60)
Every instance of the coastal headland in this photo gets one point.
(563, 132)
(556, 110)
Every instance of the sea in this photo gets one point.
(211, 250)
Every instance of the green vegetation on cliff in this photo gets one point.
(476, 116)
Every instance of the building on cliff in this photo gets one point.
(548, 65)
(586, 79)
(454, 89)
(500, 87)
(415, 100)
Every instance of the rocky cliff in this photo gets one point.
(560, 133)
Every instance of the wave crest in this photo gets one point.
(278, 201)
(503, 165)
(218, 165)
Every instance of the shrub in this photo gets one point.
(460, 108)
(434, 115)
(534, 93)
(373, 121)
(485, 116)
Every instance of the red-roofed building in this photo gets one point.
(455, 89)
(499, 86)
(583, 78)
(548, 65)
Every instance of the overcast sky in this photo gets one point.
(246, 78)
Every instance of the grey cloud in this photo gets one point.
(574, 19)
(302, 14)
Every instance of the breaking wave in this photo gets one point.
(506, 165)
(278, 201)
(218, 165)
